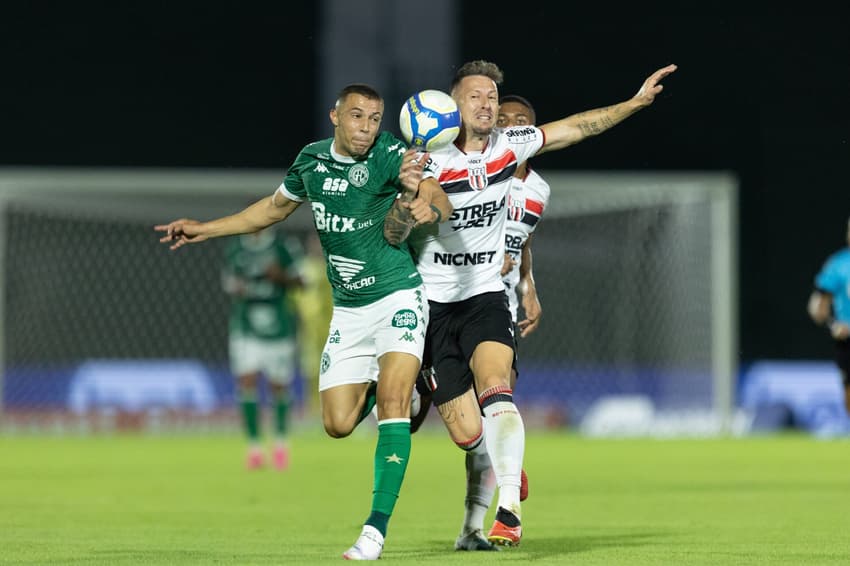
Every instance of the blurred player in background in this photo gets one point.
(829, 305)
(377, 333)
(471, 336)
(258, 275)
(314, 304)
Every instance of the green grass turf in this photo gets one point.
(187, 500)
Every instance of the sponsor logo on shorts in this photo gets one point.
(405, 318)
(335, 337)
(326, 362)
(407, 336)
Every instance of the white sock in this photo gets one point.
(505, 439)
(480, 487)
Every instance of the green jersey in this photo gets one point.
(259, 305)
(350, 200)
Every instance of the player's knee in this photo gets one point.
(395, 405)
(467, 442)
(465, 432)
(337, 426)
(248, 381)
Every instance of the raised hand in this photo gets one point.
(651, 86)
(410, 174)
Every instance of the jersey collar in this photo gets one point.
(341, 158)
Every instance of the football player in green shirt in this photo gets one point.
(377, 333)
(258, 274)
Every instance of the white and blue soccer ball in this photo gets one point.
(429, 120)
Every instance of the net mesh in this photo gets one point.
(623, 270)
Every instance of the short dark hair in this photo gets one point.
(478, 67)
(520, 100)
(357, 88)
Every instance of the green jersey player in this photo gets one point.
(259, 271)
(376, 338)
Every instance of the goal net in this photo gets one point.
(101, 321)
(636, 274)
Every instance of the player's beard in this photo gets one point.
(483, 132)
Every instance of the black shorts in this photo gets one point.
(842, 359)
(455, 330)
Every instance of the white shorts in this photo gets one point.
(358, 336)
(273, 358)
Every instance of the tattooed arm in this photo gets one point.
(422, 201)
(399, 221)
(575, 128)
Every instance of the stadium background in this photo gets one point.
(759, 93)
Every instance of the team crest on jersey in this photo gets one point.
(358, 175)
(516, 208)
(477, 167)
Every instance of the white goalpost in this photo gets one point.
(637, 274)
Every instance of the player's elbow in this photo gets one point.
(820, 307)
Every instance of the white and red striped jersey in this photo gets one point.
(527, 200)
(463, 256)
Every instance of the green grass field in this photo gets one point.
(187, 500)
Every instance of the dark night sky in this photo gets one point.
(760, 91)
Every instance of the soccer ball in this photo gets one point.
(429, 120)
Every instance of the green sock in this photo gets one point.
(371, 399)
(391, 455)
(281, 412)
(250, 415)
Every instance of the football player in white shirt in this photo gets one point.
(528, 198)
(470, 332)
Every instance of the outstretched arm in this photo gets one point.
(575, 128)
(257, 216)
